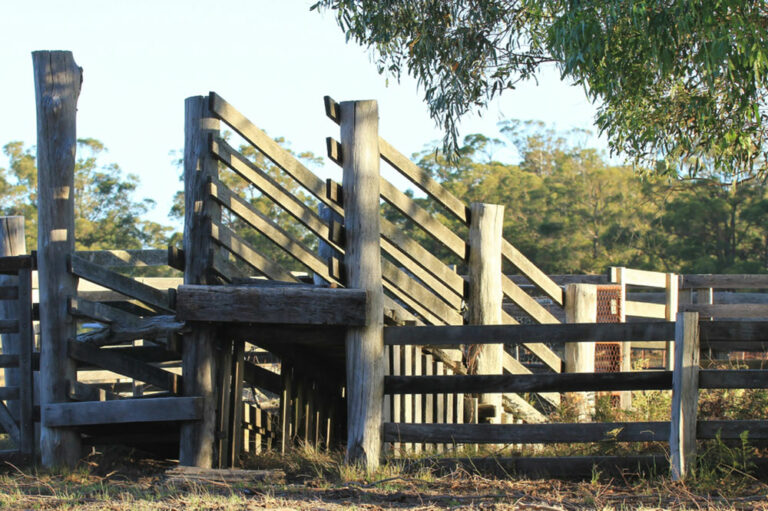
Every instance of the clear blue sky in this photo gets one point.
(273, 60)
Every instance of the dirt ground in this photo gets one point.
(126, 482)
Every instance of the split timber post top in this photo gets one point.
(57, 87)
(364, 345)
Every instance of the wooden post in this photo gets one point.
(199, 361)
(12, 243)
(685, 395)
(672, 295)
(581, 307)
(364, 345)
(485, 294)
(617, 276)
(57, 87)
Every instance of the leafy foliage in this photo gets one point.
(106, 215)
(677, 80)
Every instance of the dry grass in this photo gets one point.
(121, 480)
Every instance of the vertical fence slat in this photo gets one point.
(685, 395)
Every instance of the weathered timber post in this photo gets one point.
(12, 243)
(672, 289)
(362, 266)
(685, 395)
(581, 307)
(199, 354)
(57, 86)
(617, 276)
(485, 293)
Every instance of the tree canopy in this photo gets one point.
(106, 214)
(677, 81)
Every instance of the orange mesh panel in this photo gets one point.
(609, 304)
(607, 357)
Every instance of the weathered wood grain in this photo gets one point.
(736, 281)
(245, 251)
(141, 328)
(96, 311)
(420, 294)
(279, 156)
(532, 272)
(733, 331)
(161, 409)
(121, 363)
(732, 429)
(120, 283)
(57, 86)
(510, 334)
(685, 395)
(527, 433)
(364, 346)
(286, 304)
(485, 291)
(733, 379)
(545, 382)
(125, 258)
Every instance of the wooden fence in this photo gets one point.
(690, 336)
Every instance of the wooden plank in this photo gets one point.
(725, 331)
(532, 272)
(161, 409)
(27, 442)
(733, 379)
(509, 334)
(364, 346)
(512, 366)
(120, 283)
(293, 247)
(412, 304)
(528, 433)
(125, 258)
(632, 277)
(685, 395)
(9, 393)
(242, 249)
(8, 424)
(96, 311)
(645, 310)
(736, 281)
(9, 326)
(424, 181)
(123, 364)
(201, 476)
(262, 378)
(58, 80)
(287, 304)
(732, 429)
(545, 382)
(12, 264)
(423, 257)
(419, 293)
(729, 310)
(271, 188)
(423, 219)
(279, 156)
(90, 392)
(9, 292)
(400, 258)
(526, 302)
(9, 361)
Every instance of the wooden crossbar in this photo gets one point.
(527, 433)
(159, 409)
(419, 293)
(509, 334)
(250, 215)
(119, 283)
(125, 258)
(242, 249)
(544, 382)
(279, 156)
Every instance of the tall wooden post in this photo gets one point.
(581, 307)
(362, 263)
(485, 293)
(12, 243)
(672, 304)
(57, 87)
(685, 395)
(199, 354)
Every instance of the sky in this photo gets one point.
(273, 60)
